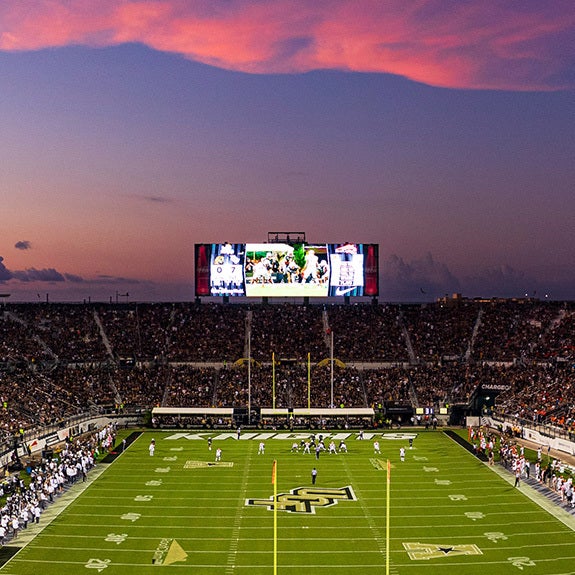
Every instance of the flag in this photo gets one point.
(388, 471)
(274, 472)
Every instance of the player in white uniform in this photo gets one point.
(310, 267)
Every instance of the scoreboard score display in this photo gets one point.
(285, 270)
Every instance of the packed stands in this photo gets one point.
(58, 360)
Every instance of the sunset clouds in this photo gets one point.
(133, 129)
(525, 45)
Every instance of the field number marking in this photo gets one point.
(98, 564)
(131, 516)
(521, 562)
(495, 536)
(116, 538)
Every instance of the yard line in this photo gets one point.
(298, 528)
(378, 536)
(320, 539)
(422, 564)
(235, 537)
(298, 567)
(326, 518)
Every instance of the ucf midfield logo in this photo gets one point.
(306, 499)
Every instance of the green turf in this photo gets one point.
(450, 514)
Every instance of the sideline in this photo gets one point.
(537, 497)
(54, 509)
(72, 492)
(540, 499)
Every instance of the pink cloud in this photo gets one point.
(525, 45)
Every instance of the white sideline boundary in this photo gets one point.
(566, 518)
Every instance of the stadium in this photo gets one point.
(173, 402)
(184, 434)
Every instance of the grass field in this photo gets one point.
(178, 512)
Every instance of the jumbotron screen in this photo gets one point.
(285, 270)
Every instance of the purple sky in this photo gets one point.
(131, 130)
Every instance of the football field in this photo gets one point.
(179, 511)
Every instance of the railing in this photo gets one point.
(34, 433)
(546, 430)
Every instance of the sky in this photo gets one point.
(442, 130)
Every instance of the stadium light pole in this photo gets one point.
(273, 380)
(331, 374)
(249, 376)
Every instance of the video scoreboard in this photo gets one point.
(287, 270)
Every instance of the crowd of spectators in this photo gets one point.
(440, 330)
(480, 331)
(136, 331)
(58, 360)
(559, 340)
(508, 331)
(364, 333)
(544, 394)
(206, 333)
(54, 332)
(289, 331)
(49, 478)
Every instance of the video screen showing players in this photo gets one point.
(227, 270)
(287, 270)
(283, 270)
